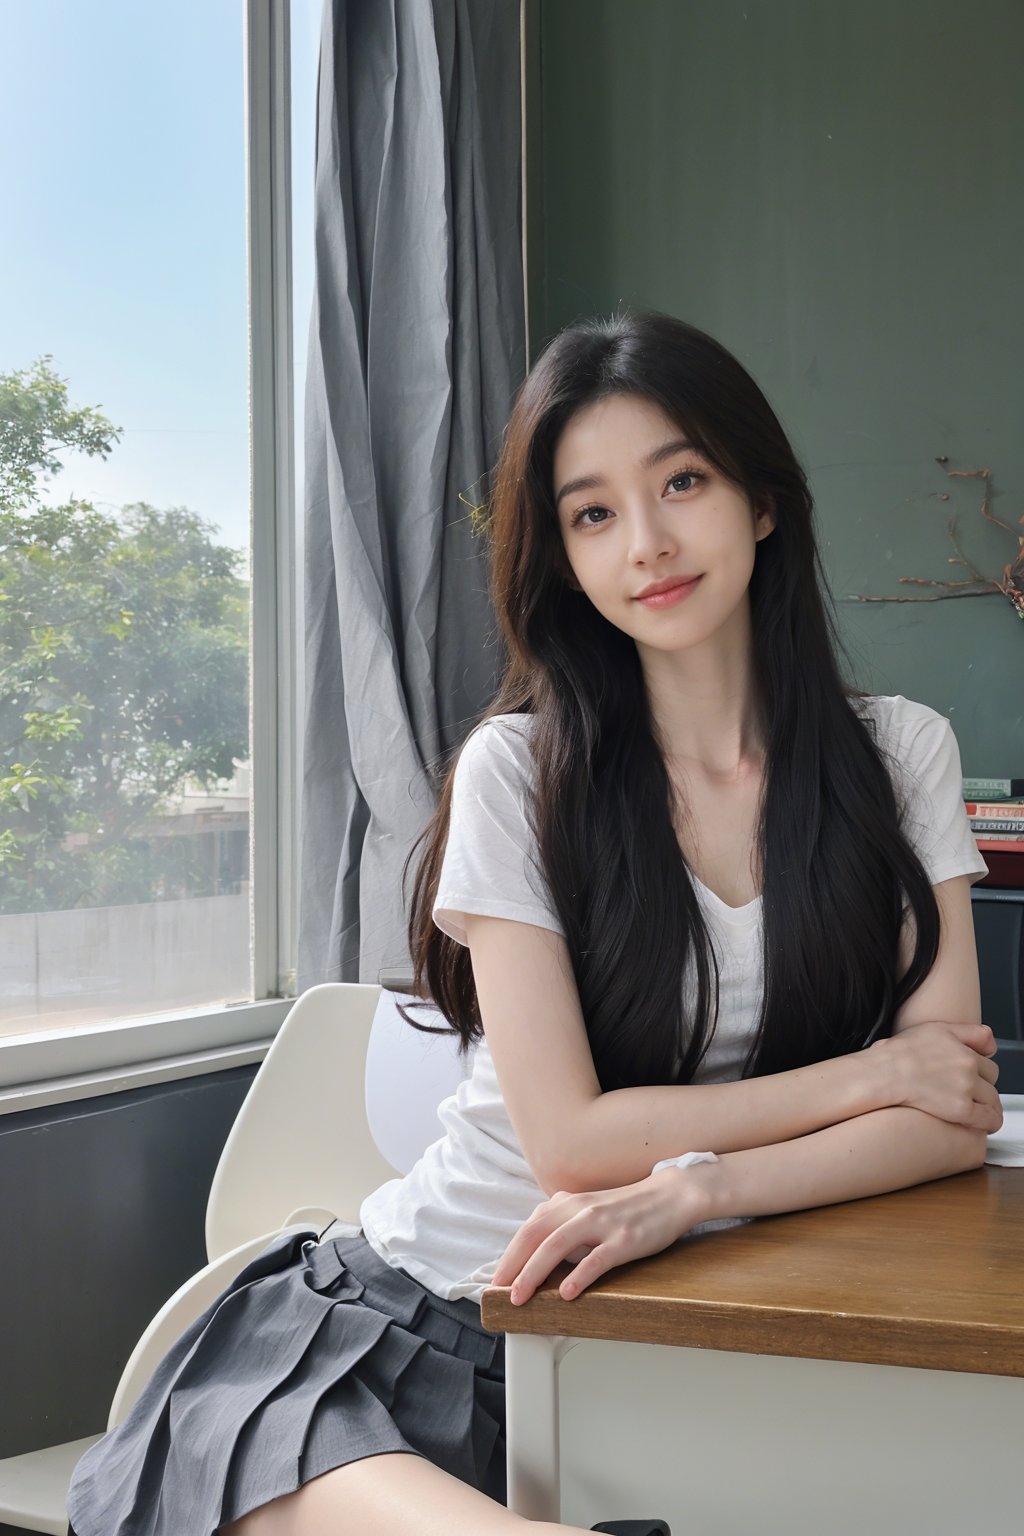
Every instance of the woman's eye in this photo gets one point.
(692, 475)
(684, 480)
(583, 512)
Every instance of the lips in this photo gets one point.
(668, 585)
(670, 596)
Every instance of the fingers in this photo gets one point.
(533, 1232)
(987, 1118)
(515, 1255)
(596, 1263)
(978, 1036)
(565, 1229)
(989, 1110)
(984, 1112)
(555, 1250)
(988, 1070)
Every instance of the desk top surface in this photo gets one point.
(931, 1277)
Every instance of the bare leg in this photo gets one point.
(388, 1495)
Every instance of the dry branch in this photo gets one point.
(1010, 585)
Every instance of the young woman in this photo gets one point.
(679, 877)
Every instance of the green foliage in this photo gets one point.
(123, 670)
(36, 420)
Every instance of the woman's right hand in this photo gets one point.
(945, 1070)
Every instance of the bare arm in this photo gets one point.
(577, 1138)
(872, 1155)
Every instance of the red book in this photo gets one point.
(1005, 860)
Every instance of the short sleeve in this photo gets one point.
(935, 821)
(490, 864)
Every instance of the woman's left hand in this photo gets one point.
(598, 1231)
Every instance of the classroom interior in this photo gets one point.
(832, 191)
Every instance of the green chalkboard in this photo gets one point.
(835, 192)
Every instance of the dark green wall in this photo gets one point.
(835, 192)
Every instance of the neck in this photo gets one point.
(705, 708)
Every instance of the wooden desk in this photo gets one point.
(930, 1277)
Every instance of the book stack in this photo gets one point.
(995, 809)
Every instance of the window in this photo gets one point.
(147, 642)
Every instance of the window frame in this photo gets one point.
(54, 1066)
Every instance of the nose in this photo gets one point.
(650, 538)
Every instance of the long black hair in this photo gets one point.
(838, 873)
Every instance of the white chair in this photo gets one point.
(300, 1153)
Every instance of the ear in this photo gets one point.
(764, 517)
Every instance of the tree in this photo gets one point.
(123, 668)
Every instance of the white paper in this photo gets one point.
(1006, 1146)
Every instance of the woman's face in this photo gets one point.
(637, 505)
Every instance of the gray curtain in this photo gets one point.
(416, 350)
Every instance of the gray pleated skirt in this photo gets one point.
(318, 1354)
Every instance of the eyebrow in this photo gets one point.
(592, 482)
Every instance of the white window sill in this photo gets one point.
(59, 1065)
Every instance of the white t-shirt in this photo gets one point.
(449, 1220)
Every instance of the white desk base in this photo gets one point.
(723, 1444)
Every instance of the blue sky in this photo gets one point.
(124, 251)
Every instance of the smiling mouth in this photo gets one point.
(671, 595)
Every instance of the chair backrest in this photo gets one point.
(408, 1074)
(302, 1140)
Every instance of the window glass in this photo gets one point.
(124, 512)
